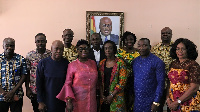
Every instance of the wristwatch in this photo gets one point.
(179, 101)
(112, 95)
(157, 104)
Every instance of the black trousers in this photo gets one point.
(35, 103)
(105, 107)
(162, 101)
(15, 106)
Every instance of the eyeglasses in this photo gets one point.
(181, 49)
(83, 48)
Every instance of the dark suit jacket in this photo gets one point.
(114, 38)
(92, 57)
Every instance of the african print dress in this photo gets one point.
(117, 82)
(181, 75)
(128, 58)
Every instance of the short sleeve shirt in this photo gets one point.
(163, 52)
(32, 59)
(11, 72)
(70, 53)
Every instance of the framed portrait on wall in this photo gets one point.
(110, 25)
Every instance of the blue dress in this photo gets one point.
(50, 79)
(149, 78)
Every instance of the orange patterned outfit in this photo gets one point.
(180, 76)
(117, 82)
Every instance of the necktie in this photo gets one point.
(106, 39)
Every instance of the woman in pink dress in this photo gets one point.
(79, 90)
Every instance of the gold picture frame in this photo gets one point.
(93, 24)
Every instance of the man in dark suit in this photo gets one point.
(96, 53)
(105, 26)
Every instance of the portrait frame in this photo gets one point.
(90, 14)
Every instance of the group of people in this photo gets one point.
(82, 78)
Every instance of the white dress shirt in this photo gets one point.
(97, 55)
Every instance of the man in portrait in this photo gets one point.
(105, 27)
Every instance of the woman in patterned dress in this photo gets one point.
(128, 53)
(113, 75)
(184, 76)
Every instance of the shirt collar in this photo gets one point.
(104, 35)
(95, 50)
(101, 34)
(72, 47)
(46, 51)
(146, 57)
(170, 44)
(3, 56)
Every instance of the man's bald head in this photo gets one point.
(166, 35)
(107, 19)
(105, 26)
(57, 49)
(57, 42)
(166, 29)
